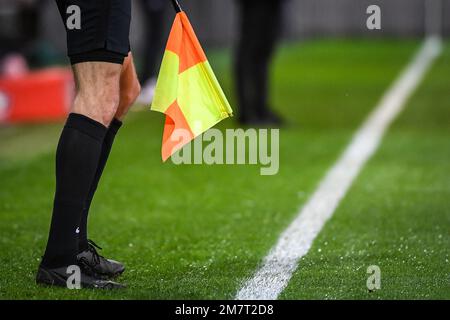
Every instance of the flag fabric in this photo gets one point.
(187, 91)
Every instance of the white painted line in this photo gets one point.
(278, 266)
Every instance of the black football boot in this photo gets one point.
(104, 268)
(60, 276)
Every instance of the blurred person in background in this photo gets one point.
(19, 20)
(259, 31)
(153, 48)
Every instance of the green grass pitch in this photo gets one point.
(198, 231)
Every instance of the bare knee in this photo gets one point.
(98, 91)
(100, 106)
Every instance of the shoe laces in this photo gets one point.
(92, 247)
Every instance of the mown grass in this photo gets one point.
(397, 214)
(198, 231)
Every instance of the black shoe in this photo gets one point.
(105, 268)
(270, 118)
(266, 119)
(58, 277)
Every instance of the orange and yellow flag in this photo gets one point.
(187, 91)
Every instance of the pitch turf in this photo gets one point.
(196, 231)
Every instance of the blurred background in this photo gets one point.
(216, 21)
(35, 27)
(32, 36)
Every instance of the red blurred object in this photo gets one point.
(38, 96)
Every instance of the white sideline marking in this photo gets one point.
(278, 266)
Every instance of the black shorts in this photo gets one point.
(97, 30)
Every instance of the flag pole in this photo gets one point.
(176, 6)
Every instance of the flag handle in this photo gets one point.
(176, 6)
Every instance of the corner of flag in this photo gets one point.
(187, 90)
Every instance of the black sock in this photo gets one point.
(106, 149)
(77, 157)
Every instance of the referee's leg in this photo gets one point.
(97, 48)
(129, 91)
(129, 88)
(78, 154)
(98, 90)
